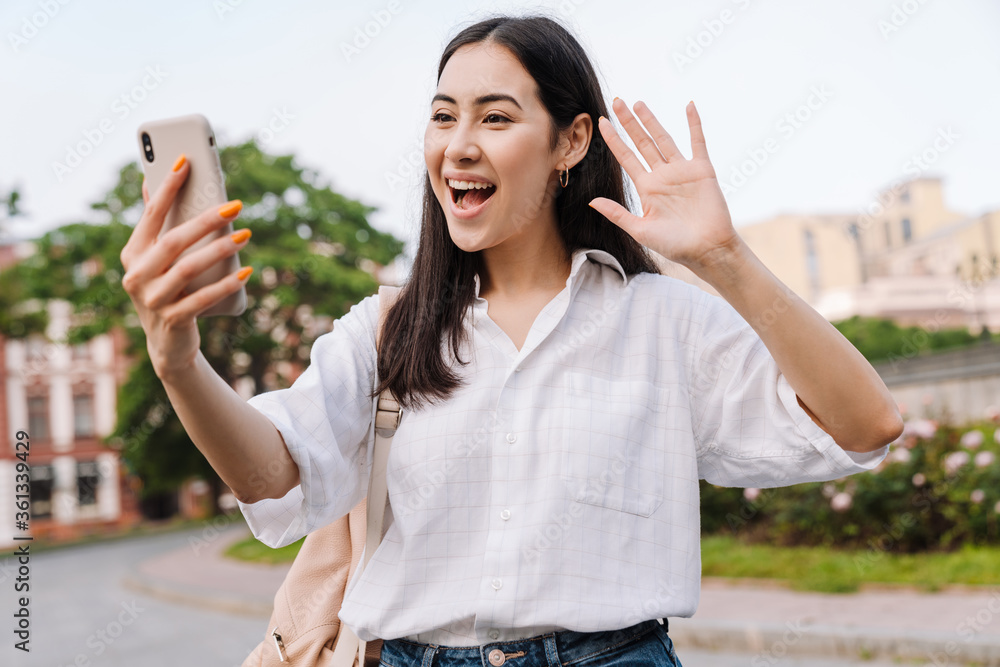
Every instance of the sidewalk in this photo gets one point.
(944, 628)
(764, 620)
(199, 574)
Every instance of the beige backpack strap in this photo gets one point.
(387, 416)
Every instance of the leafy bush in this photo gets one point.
(879, 340)
(938, 489)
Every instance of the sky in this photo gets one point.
(806, 107)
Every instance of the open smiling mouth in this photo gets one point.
(472, 195)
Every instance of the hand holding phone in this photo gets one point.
(160, 143)
(168, 271)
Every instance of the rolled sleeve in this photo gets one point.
(325, 419)
(750, 429)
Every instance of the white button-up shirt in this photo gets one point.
(557, 489)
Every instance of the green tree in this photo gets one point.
(312, 250)
(10, 201)
(16, 316)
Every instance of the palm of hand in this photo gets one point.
(684, 214)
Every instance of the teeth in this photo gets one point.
(468, 185)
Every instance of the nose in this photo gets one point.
(462, 145)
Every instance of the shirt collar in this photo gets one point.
(578, 259)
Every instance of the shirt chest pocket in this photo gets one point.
(609, 448)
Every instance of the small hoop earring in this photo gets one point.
(564, 177)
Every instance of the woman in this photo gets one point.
(561, 397)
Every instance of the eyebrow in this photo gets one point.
(481, 100)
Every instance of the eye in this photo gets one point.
(502, 119)
(440, 118)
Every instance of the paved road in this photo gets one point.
(82, 615)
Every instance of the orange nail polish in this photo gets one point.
(230, 209)
(180, 162)
(241, 236)
(245, 272)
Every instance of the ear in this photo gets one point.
(576, 139)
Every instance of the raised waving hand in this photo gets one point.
(684, 214)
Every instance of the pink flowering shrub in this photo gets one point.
(938, 488)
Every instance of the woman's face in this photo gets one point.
(488, 126)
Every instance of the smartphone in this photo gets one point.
(161, 142)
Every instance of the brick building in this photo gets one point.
(64, 397)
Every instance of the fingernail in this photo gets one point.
(245, 272)
(240, 236)
(230, 209)
(180, 162)
(599, 119)
(616, 98)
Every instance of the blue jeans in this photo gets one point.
(643, 644)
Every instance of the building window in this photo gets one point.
(81, 351)
(83, 415)
(907, 230)
(87, 478)
(38, 418)
(905, 196)
(888, 235)
(42, 478)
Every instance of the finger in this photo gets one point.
(173, 283)
(621, 216)
(698, 147)
(172, 245)
(663, 140)
(207, 296)
(647, 147)
(151, 222)
(626, 158)
(129, 248)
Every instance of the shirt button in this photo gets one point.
(497, 583)
(494, 633)
(505, 515)
(511, 438)
(497, 657)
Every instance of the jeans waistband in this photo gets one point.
(554, 648)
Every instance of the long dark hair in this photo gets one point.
(441, 288)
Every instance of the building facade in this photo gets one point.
(905, 257)
(64, 398)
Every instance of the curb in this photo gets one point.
(204, 599)
(242, 592)
(772, 642)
